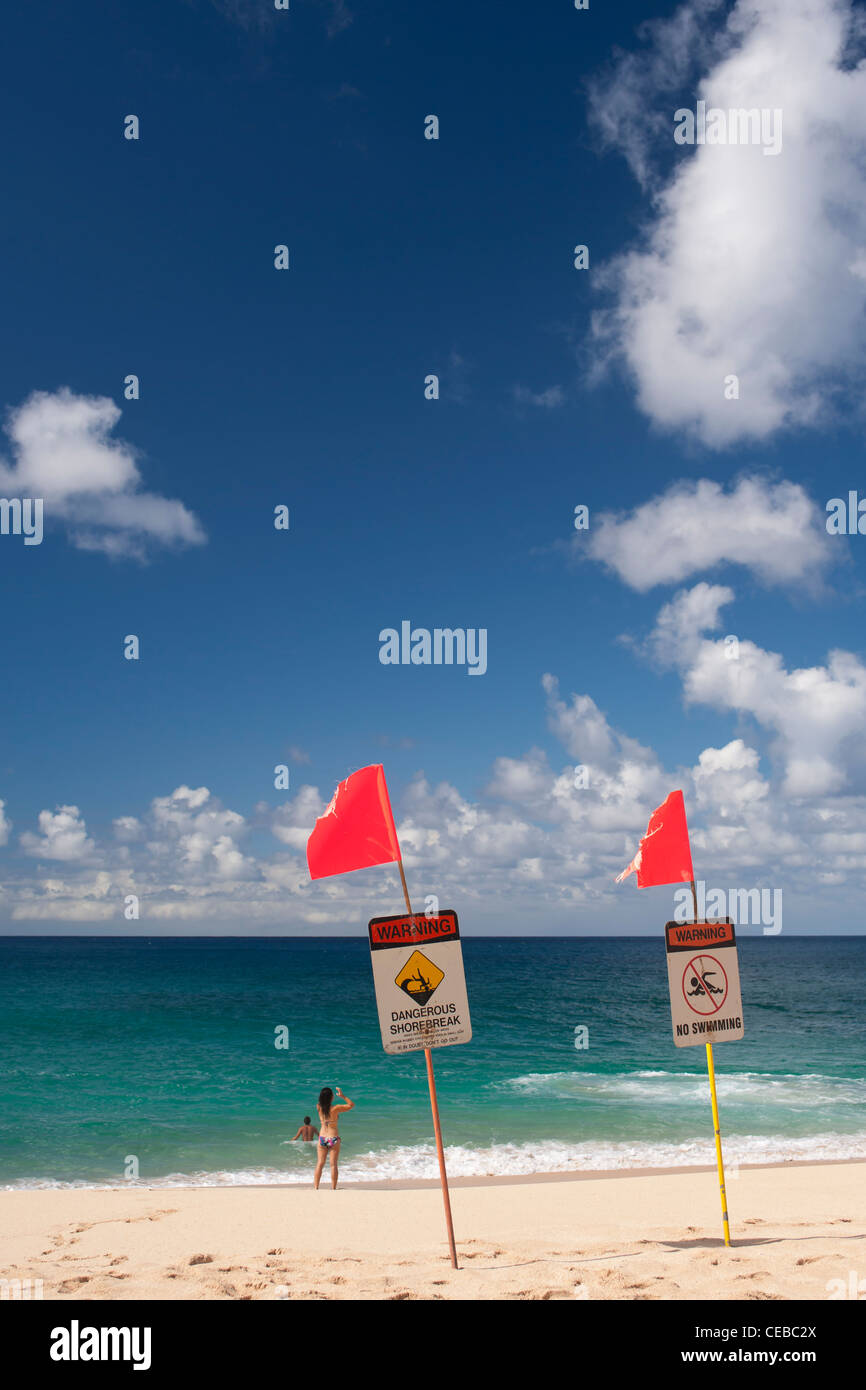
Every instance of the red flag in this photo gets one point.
(664, 854)
(357, 830)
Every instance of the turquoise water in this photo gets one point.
(164, 1049)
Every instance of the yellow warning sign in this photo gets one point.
(419, 978)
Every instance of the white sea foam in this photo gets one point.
(687, 1088)
(418, 1161)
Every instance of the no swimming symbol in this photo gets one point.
(705, 984)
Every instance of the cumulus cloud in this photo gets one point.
(127, 828)
(774, 530)
(625, 97)
(201, 832)
(294, 820)
(542, 842)
(584, 732)
(728, 779)
(63, 453)
(680, 626)
(815, 714)
(64, 836)
(750, 265)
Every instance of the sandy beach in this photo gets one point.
(619, 1236)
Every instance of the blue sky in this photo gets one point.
(305, 387)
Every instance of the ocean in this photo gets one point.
(163, 1051)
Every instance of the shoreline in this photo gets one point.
(423, 1184)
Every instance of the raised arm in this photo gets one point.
(349, 1104)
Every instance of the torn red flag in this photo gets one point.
(357, 830)
(664, 854)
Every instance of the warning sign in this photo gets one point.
(419, 977)
(420, 986)
(704, 982)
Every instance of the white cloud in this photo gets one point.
(293, 821)
(750, 265)
(551, 397)
(5, 825)
(584, 732)
(200, 832)
(816, 714)
(625, 99)
(538, 845)
(88, 481)
(774, 530)
(676, 638)
(64, 836)
(127, 828)
(728, 779)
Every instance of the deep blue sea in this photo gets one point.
(163, 1050)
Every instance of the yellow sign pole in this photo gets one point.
(719, 1160)
(720, 1163)
(434, 1106)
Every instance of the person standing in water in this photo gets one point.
(307, 1131)
(329, 1139)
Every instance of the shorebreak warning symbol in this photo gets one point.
(705, 984)
(419, 978)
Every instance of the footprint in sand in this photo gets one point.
(148, 1216)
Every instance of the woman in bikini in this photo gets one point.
(329, 1139)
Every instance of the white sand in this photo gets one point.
(795, 1228)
